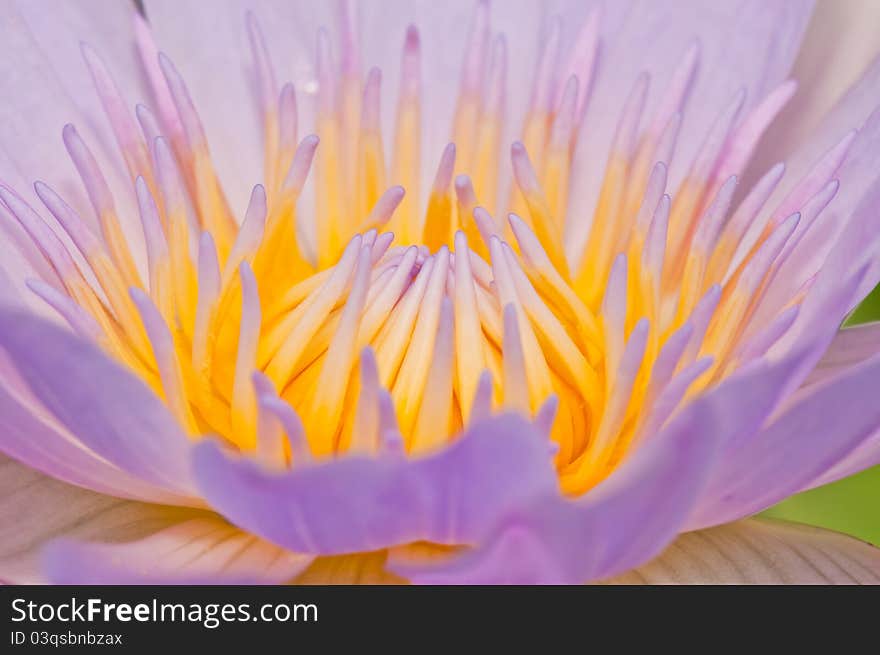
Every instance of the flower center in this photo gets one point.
(400, 321)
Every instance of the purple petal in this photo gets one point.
(825, 423)
(827, 67)
(851, 346)
(741, 404)
(824, 308)
(654, 38)
(858, 109)
(30, 435)
(858, 245)
(107, 408)
(47, 84)
(619, 524)
(866, 455)
(356, 504)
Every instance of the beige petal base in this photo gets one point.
(126, 539)
(761, 551)
(35, 509)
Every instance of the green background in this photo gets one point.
(851, 505)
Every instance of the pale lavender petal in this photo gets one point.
(79, 320)
(20, 259)
(739, 406)
(356, 503)
(851, 346)
(849, 111)
(766, 337)
(621, 523)
(851, 248)
(813, 434)
(46, 84)
(810, 212)
(61, 29)
(35, 509)
(197, 551)
(107, 408)
(761, 551)
(858, 109)
(18, 293)
(858, 245)
(654, 37)
(866, 455)
(830, 298)
(668, 399)
(826, 68)
(41, 443)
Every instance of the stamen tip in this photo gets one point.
(412, 38)
(88, 52)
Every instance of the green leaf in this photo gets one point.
(868, 311)
(851, 505)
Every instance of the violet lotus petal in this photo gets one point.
(826, 68)
(852, 111)
(865, 456)
(824, 308)
(742, 404)
(35, 508)
(744, 401)
(39, 444)
(654, 38)
(854, 259)
(20, 260)
(706, 429)
(810, 437)
(197, 551)
(668, 399)
(851, 346)
(107, 408)
(357, 503)
(761, 551)
(858, 245)
(860, 109)
(624, 521)
(60, 30)
(45, 91)
(446, 27)
(34, 437)
(768, 305)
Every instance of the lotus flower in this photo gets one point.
(553, 316)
